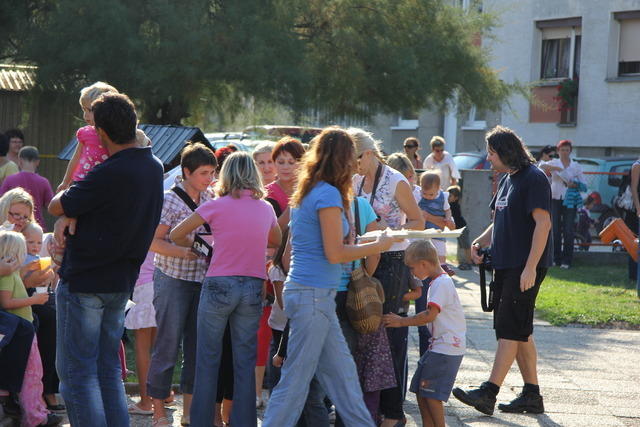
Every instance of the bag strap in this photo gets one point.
(358, 232)
(189, 202)
(376, 181)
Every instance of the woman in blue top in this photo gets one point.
(318, 230)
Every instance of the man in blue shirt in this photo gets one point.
(111, 216)
(520, 249)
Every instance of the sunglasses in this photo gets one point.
(19, 217)
(410, 146)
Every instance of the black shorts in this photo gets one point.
(513, 311)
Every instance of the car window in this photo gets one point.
(616, 180)
(465, 161)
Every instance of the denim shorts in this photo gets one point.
(435, 375)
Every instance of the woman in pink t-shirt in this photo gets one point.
(286, 155)
(243, 226)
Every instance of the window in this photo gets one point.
(629, 48)
(408, 120)
(560, 56)
(476, 120)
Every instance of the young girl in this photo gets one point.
(15, 300)
(89, 151)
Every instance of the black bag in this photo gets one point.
(200, 246)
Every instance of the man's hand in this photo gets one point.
(527, 279)
(63, 223)
(476, 258)
(450, 224)
(392, 320)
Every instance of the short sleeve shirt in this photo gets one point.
(240, 227)
(517, 197)
(92, 152)
(13, 284)
(117, 207)
(446, 168)
(309, 264)
(174, 211)
(384, 203)
(449, 329)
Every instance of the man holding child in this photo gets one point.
(117, 208)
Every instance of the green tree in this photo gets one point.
(341, 56)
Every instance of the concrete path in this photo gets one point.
(588, 377)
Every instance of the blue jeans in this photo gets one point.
(176, 304)
(316, 346)
(89, 328)
(238, 301)
(421, 305)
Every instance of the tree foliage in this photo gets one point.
(341, 56)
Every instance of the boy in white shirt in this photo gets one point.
(438, 367)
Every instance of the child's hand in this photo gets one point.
(450, 224)
(392, 320)
(8, 266)
(38, 277)
(63, 186)
(277, 361)
(39, 299)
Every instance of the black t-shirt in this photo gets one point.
(517, 197)
(118, 208)
(456, 213)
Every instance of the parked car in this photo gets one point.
(471, 160)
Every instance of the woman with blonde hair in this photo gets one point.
(243, 226)
(390, 194)
(319, 226)
(401, 163)
(16, 206)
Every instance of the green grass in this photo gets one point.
(590, 295)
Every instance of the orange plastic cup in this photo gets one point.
(45, 262)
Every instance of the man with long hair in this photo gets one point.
(519, 238)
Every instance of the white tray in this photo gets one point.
(413, 234)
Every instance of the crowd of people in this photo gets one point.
(243, 267)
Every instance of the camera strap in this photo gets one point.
(487, 304)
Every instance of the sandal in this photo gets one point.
(134, 409)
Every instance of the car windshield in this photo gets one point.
(466, 161)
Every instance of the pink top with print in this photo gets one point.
(92, 154)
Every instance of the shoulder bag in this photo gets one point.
(365, 295)
(200, 246)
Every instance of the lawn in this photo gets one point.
(589, 294)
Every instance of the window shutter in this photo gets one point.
(629, 40)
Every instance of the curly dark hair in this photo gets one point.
(509, 147)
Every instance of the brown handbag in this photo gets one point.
(365, 295)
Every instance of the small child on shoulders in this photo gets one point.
(438, 367)
(436, 212)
